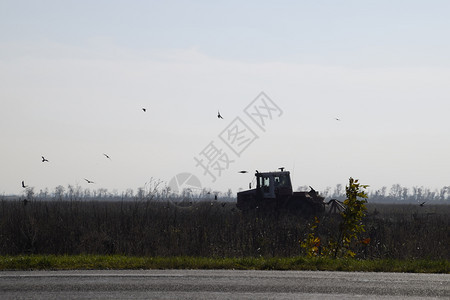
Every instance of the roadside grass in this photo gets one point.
(84, 262)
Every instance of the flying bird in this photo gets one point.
(106, 155)
(88, 181)
(44, 159)
(218, 115)
(23, 185)
(337, 119)
(423, 203)
(243, 172)
(144, 109)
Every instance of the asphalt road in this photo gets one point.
(220, 284)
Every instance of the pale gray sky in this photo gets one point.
(75, 74)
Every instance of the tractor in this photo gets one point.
(273, 192)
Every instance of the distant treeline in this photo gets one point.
(155, 190)
(396, 193)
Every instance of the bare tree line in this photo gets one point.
(152, 190)
(396, 193)
(157, 190)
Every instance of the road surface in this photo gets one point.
(220, 284)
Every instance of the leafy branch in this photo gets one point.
(350, 226)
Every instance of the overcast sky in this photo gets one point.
(75, 76)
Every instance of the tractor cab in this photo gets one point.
(270, 185)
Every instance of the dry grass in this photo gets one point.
(206, 229)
